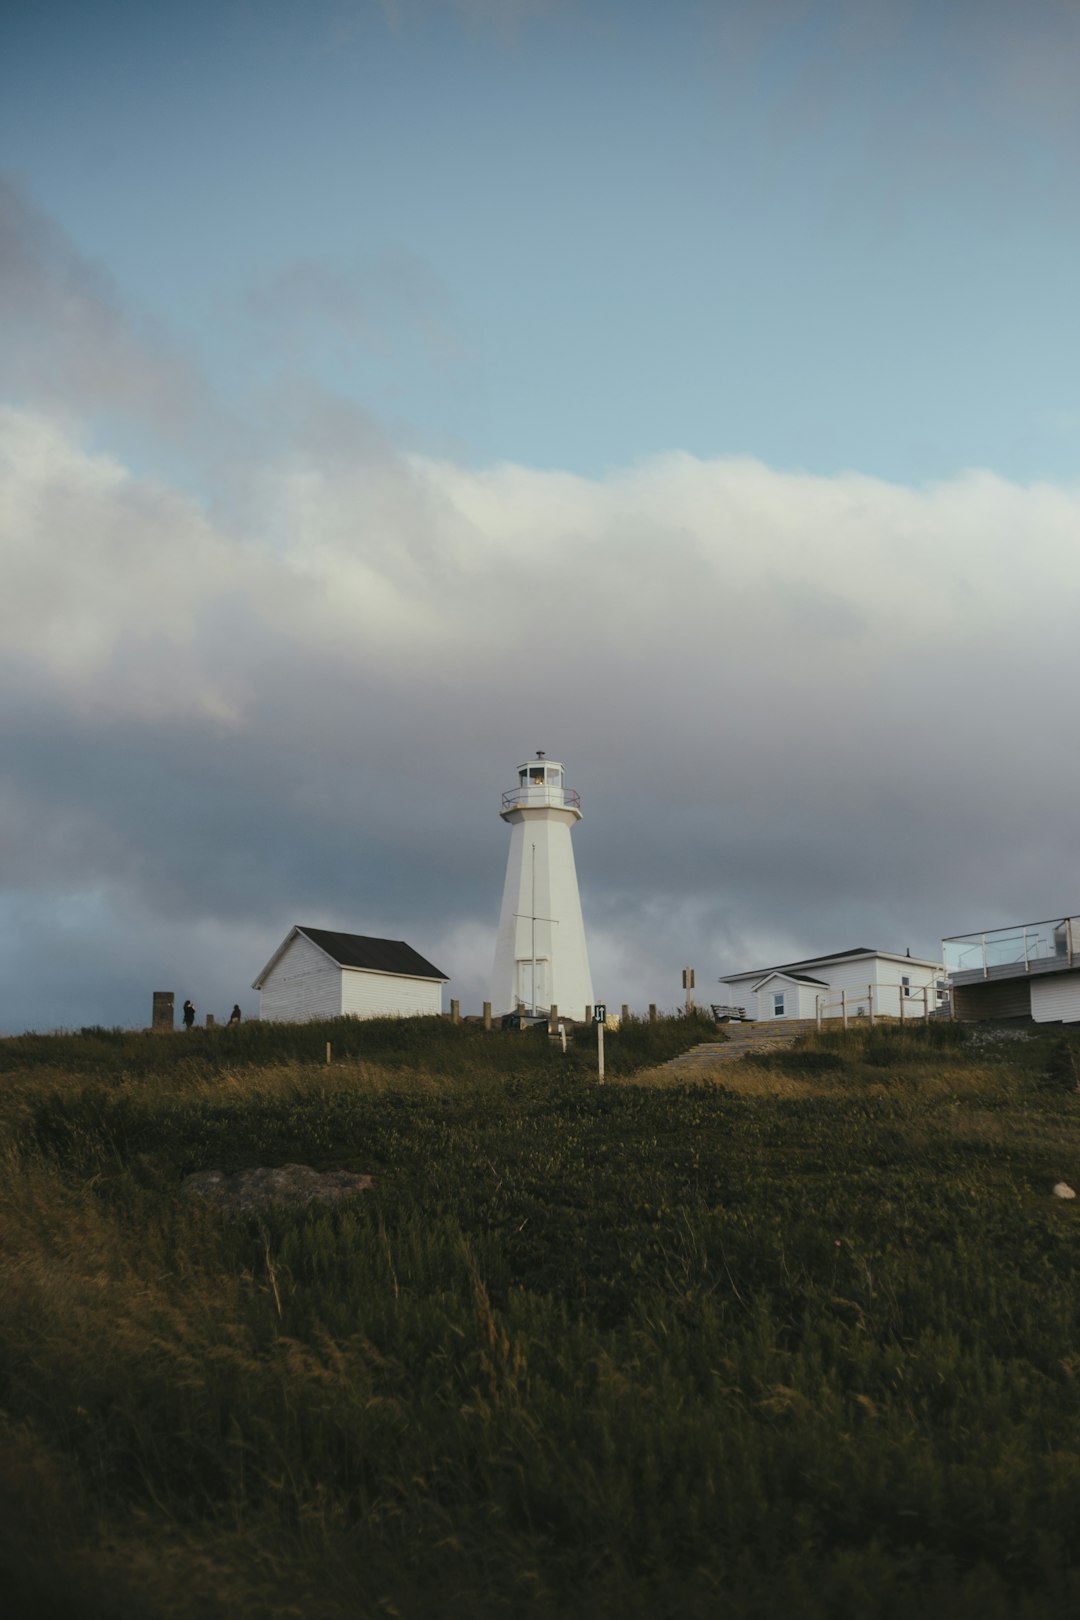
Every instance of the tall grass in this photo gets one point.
(583, 1351)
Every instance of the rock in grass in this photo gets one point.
(1061, 1189)
(294, 1186)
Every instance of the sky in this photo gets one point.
(392, 388)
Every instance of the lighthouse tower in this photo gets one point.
(540, 955)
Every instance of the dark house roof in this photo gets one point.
(804, 962)
(377, 955)
(800, 978)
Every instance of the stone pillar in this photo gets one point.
(487, 1014)
(209, 1020)
(163, 1015)
(553, 1013)
(625, 1012)
(588, 1015)
(455, 1012)
(652, 1012)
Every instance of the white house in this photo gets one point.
(318, 973)
(1027, 970)
(861, 982)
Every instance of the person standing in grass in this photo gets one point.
(189, 1014)
(234, 1016)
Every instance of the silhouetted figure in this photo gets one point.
(189, 1014)
(234, 1016)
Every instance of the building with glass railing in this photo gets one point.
(1025, 970)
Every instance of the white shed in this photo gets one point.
(319, 973)
(882, 982)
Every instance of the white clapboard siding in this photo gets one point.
(888, 995)
(1055, 997)
(304, 983)
(381, 995)
(799, 999)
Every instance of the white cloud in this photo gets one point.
(801, 710)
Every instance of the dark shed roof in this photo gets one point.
(377, 955)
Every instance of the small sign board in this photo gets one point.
(599, 1013)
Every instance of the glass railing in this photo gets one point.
(1018, 946)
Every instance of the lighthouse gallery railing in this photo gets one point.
(540, 794)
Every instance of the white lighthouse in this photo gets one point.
(540, 955)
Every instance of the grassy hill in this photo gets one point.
(800, 1340)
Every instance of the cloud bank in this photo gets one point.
(804, 713)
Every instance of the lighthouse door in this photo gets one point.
(525, 983)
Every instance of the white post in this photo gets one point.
(600, 1050)
(843, 1007)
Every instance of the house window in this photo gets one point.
(906, 982)
(778, 1005)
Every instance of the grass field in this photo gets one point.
(800, 1340)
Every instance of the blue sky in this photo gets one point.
(830, 236)
(391, 388)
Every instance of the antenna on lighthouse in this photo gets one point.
(548, 966)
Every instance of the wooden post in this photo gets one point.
(901, 1006)
(652, 1012)
(487, 1014)
(328, 1051)
(926, 1003)
(843, 1007)
(870, 991)
(455, 1012)
(163, 1018)
(817, 1010)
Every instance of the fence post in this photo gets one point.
(870, 990)
(487, 1014)
(162, 1017)
(926, 1003)
(901, 1006)
(652, 1012)
(843, 1007)
(328, 1051)
(817, 1010)
(455, 1012)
